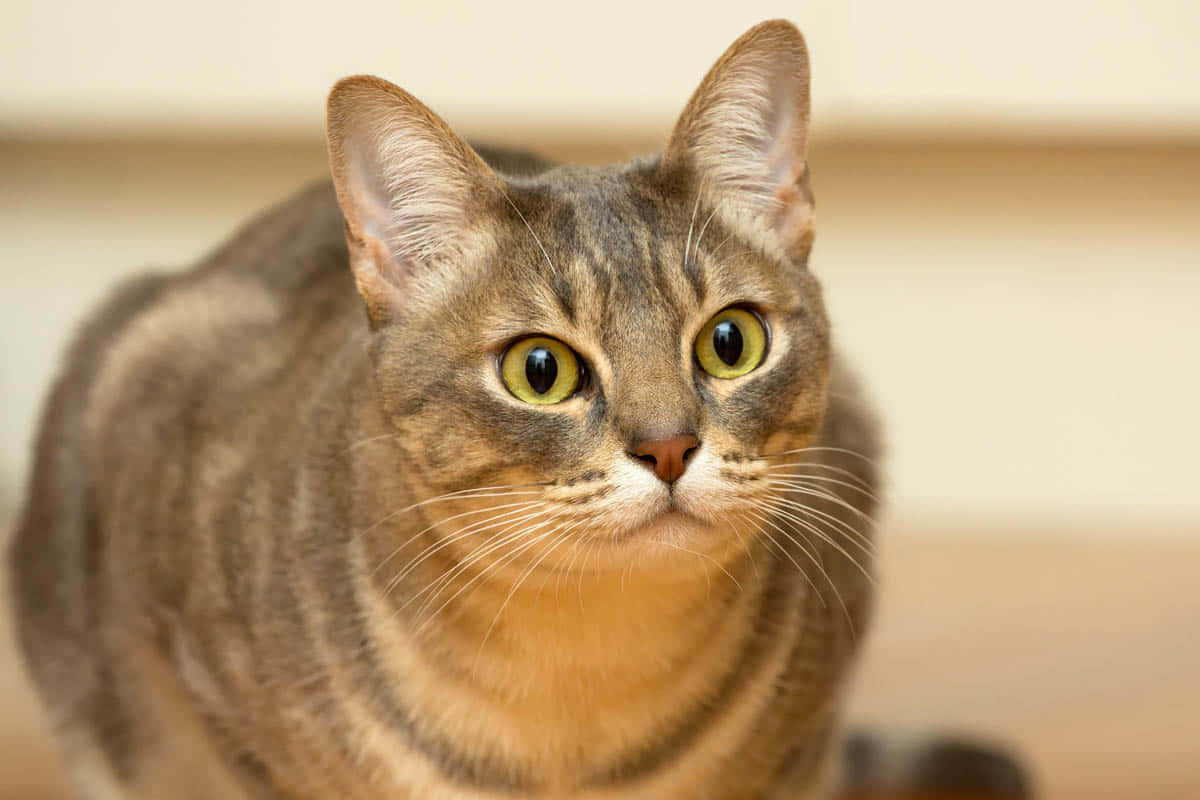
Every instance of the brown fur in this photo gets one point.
(242, 571)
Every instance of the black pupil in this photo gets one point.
(541, 369)
(727, 341)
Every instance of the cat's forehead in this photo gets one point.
(618, 212)
(589, 243)
(615, 249)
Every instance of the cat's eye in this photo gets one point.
(732, 343)
(540, 370)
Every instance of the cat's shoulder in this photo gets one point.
(286, 247)
(229, 315)
(282, 250)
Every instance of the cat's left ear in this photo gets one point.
(743, 137)
(415, 196)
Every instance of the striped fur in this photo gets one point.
(260, 557)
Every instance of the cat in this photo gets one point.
(471, 475)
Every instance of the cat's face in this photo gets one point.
(632, 350)
(621, 349)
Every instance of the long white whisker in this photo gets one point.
(583, 570)
(567, 570)
(746, 547)
(495, 541)
(847, 474)
(558, 540)
(359, 444)
(860, 538)
(836, 592)
(815, 491)
(687, 247)
(477, 555)
(820, 449)
(766, 519)
(521, 513)
(826, 479)
(414, 537)
(468, 494)
(718, 564)
(529, 227)
(700, 237)
(809, 526)
(856, 537)
(491, 567)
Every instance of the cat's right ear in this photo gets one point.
(410, 189)
(744, 133)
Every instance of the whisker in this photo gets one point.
(529, 227)
(860, 539)
(826, 479)
(745, 547)
(435, 589)
(700, 237)
(815, 491)
(427, 529)
(558, 540)
(477, 555)
(817, 563)
(779, 490)
(494, 566)
(510, 531)
(717, 249)
(820, 449)
(462, 494)
(765, 519)
(522, 513)
(812, 528)
(687, 247)
(718, 564)
(583, 570)
(359, 444)
(567, 570)
(847, 474)
(493, 542)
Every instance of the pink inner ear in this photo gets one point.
(371, 207)
(369, 218)
(783, 154)
(379, 276)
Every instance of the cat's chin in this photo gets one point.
(671, 522)
(674, 527)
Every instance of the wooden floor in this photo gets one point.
(1082, 650)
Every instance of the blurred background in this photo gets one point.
(1008, 230)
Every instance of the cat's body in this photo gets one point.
(277, 548)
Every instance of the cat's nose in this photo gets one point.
(667, 457)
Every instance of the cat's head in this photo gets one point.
(621, 345)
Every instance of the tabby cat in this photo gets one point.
(472, 476)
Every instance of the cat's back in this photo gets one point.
(167, 359)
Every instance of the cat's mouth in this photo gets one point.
(668, 518)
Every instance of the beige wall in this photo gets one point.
(1064, 68)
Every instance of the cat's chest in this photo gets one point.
(576, 716)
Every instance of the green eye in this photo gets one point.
(540, 370)
(731, 344)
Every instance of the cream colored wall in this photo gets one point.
(1058, 67)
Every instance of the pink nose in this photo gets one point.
(667, 457)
